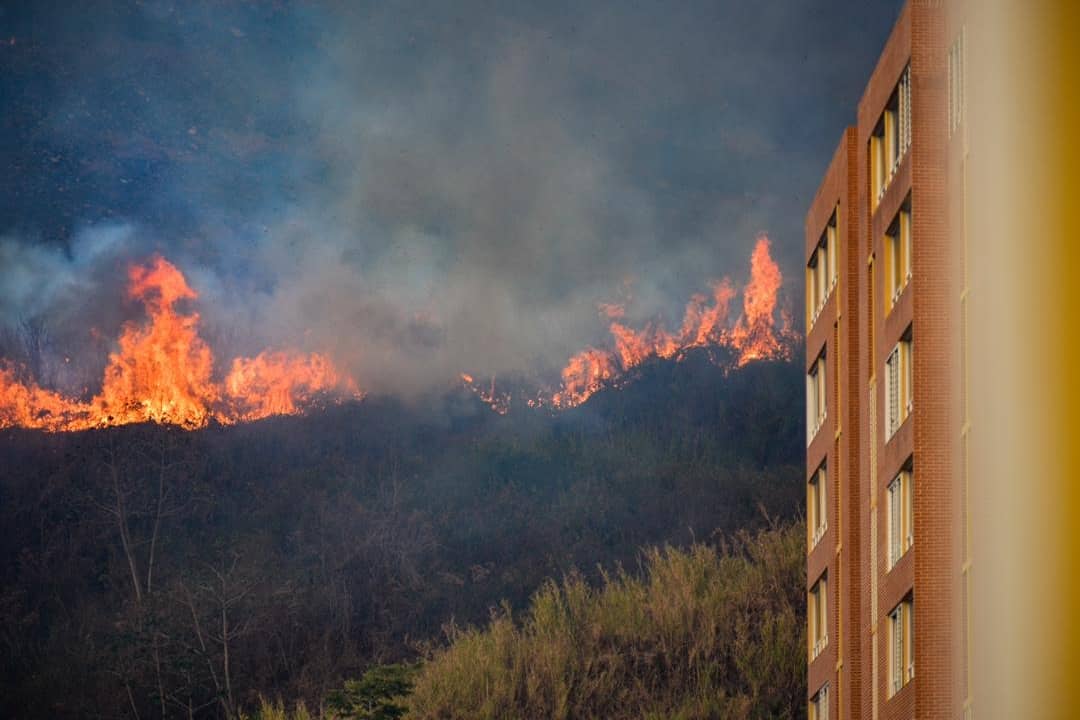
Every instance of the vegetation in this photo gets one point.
(379, 695)
(267, 710)
(151, 572)
(704, 633)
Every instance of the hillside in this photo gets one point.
(703, 633)
(167, 571)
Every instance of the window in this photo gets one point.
(815, 398)
(891, 138)
(813, 292)
(956, 83)
(822, 271)
(898, 255)
(819, 704)
(901, 642)
(898, 390)
(817, 617)
(901, 515)
(817, 508)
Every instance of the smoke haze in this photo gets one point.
(415, 191)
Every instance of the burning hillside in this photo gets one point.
(162, 372)
(754, 335)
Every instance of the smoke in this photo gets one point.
(60, 309)
(470, 230)
(416, 191)
(39, 279)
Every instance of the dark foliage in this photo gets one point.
(151, 570)
(378, 695)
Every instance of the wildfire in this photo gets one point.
(162, 372)
(495, 399)
(587, 372)
(755, 335)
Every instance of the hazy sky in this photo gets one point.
(418, 188)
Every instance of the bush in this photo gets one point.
(377, 695)
(276, 711)
(711, 632)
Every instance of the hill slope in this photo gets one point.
(703, 633)
(151, 568)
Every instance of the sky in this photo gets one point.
(418, 189)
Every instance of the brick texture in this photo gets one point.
(858, 332)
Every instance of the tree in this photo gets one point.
(378, 695)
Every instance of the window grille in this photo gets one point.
(956, 83)
(892, 393)
(895, 520)
(897, 649)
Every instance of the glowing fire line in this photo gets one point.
(161, 372)
(755, 335)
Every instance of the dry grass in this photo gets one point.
(276, 710)
(703, 633)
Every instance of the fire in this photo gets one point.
(496, 400)
(587, 372)
(162, 372)
(278, 383)
(755, 335)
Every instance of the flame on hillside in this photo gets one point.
(754, 335)
(162, 372)
(497, 400)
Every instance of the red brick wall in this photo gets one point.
(857, 324)
(838, 551)
(936, 420)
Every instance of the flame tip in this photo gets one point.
(162, 373)
(753, 336)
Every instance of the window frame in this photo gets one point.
(818, 504)
(897, 266)
(901, 645)
(822, 270)
(819, 704)
(816, 398)
(899, 384)
(818, 616)
(956, 82)
(890, 141)
(900, 497)
(832, 247)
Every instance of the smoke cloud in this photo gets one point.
(417, 191)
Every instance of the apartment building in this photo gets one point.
(888, 559)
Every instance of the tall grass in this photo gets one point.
(711, 632)
(276, 710)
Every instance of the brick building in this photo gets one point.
(888, 559)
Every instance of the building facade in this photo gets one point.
(888, 558)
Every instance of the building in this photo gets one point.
(888, 559)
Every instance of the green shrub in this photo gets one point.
(377, 695)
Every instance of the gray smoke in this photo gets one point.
(421, 191)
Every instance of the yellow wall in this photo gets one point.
(1023, 114)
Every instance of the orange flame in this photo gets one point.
(587, 372)
(754, 336)
(497, 401)
(162, 372)
(278, 383)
